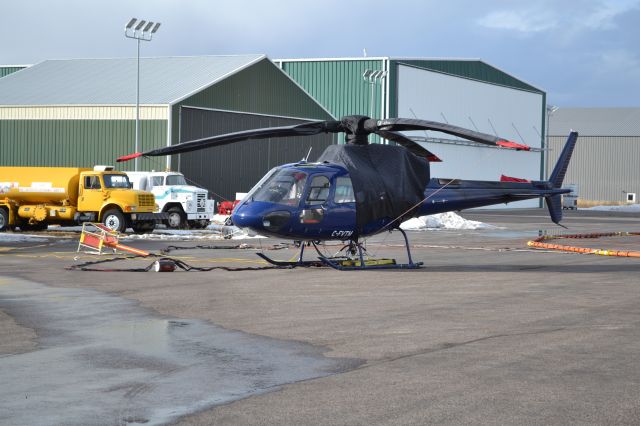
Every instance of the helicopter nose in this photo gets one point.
(246, 217)
(258, 218)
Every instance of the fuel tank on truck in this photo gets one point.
(40, 185)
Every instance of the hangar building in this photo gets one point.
(81, 112)
(464, 92)
(605, 162)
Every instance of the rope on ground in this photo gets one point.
(540, 243)
(242, 246)
(88, 266)
(158, 264)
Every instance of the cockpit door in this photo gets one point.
(328, 210)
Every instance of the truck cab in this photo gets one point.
(107, 195)
(186, 205)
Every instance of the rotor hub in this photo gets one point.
(357, 129)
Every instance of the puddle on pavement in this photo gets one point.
(104, 359)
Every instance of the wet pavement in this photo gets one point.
(490, 331)
(104, 359)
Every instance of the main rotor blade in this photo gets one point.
(403, 124)
(305, 129)
(412, 146)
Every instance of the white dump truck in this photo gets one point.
(186, 205)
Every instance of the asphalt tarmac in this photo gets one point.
(487, 332)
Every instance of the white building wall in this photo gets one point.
(515, 115)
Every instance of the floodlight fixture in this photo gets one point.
(373, 77)
(131, 23)
(143, 31)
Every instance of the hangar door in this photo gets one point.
(511, 113)
(238, 167)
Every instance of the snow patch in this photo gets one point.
(449, 220)
(219, 219)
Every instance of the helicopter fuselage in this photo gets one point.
(316, 201)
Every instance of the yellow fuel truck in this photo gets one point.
(33, 197)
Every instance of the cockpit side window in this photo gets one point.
(318, 190)
(344, 191)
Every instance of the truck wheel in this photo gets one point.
(114, 219)
(176, 218)
(4, 220)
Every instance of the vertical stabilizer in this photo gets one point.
(557, 176)
(554, 202)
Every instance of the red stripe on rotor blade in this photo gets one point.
(509, 144)
(504, 178)
(129, 157)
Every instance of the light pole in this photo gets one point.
(143, 31)
(373, 77)
(550, 110)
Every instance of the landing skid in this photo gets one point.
(356, 260)
(296, 263)
(291, 264)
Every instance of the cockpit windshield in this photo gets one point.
(282, 186)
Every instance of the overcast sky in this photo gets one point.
(583, 53)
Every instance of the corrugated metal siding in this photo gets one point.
(604, 168)
(338, 85)
(476, 70)
(260, 89)
(77, 143)
(596, 121)
(237, 167)
(9, 70)
(83, 112)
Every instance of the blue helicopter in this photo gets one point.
(355, 190)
